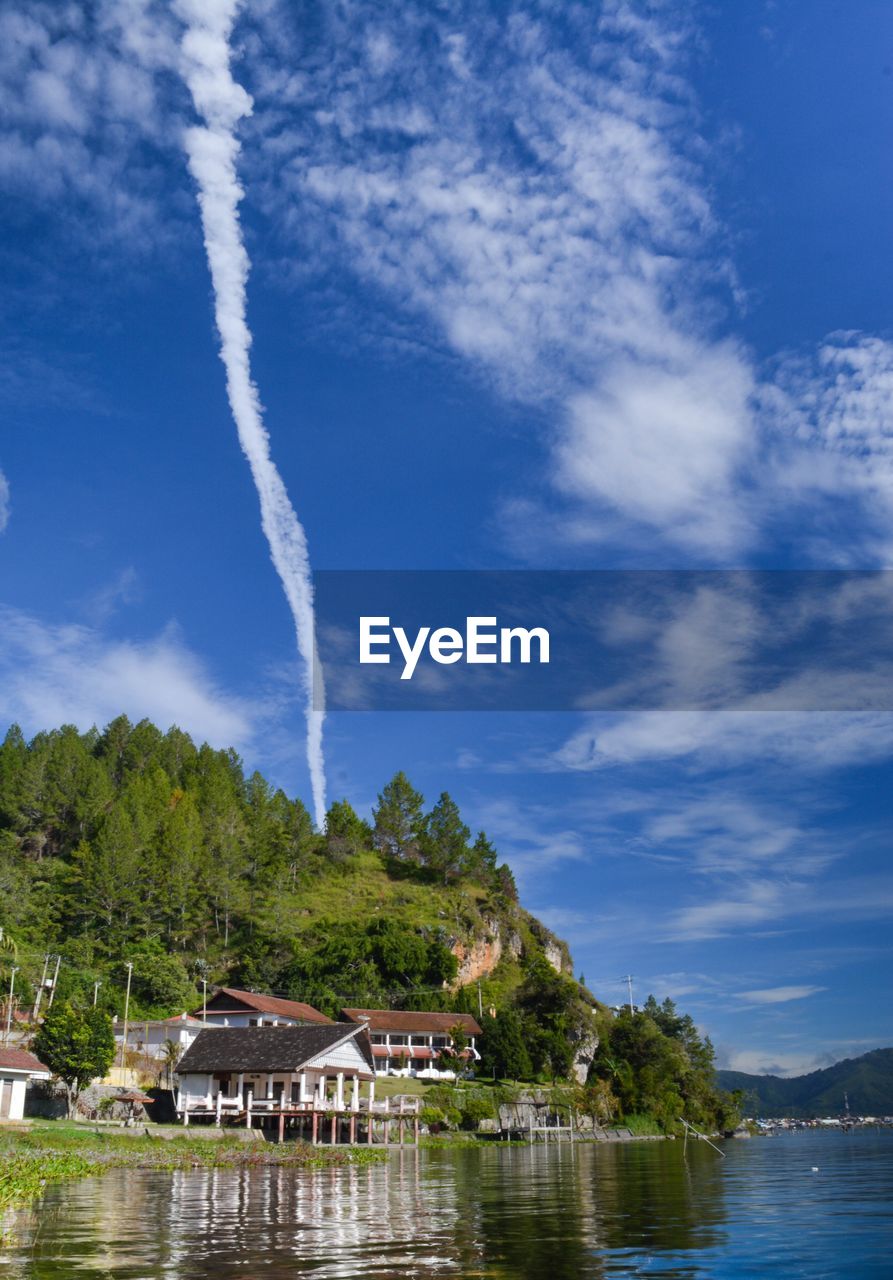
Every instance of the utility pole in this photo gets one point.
(96, 986)
(628, 979)
(126, 1011)
(12, 977)
(55, 979)
(40, 989)
(480, 1002)
(204, 999)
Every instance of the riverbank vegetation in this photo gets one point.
(31, 1158)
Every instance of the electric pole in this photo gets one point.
(55, 979)
(126, 1011)
(12, 977)
(628, 979)
(40, 989)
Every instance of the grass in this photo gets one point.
(31, 1159)
(642, 1126)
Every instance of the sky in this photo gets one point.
(524, 285)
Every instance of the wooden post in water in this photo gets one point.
(334, 1122)
(281, 1126)
(315, 1126)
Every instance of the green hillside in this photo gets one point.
(867, 1081)
(135, 847)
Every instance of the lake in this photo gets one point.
(806, 1204)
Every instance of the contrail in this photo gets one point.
(212, 151)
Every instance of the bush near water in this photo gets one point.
(134, 844)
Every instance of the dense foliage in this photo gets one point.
(655, 1062)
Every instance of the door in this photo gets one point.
(5, 1099)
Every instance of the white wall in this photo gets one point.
(12, 1097)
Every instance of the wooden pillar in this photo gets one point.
(281, 1126)
(249, 1098)
(353, 1127)
(355, 1095)
(339, 1091)
(369, 1127)
(303, 1094)
(334, 1122)
(415, 1129)
(400, 1131)
(315, 1127)
(219, 1108)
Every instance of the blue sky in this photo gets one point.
(532, 285)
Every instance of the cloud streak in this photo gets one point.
(212, 152)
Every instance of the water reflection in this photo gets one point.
(528, 1213)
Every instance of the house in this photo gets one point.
(229, 1007)
(17, 1069)
(151, 1036)
(405, 1043)
(295, 1077)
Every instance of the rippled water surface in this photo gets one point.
(808, 1204)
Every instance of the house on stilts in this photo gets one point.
(315, 1082)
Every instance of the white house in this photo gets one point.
(17, 1069)
(229, 1007)
(300, 1078)
(406, 1043)
(150, 1036)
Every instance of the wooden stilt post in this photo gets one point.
(315, 1126)
(281, 1126)
(353, 1127)
(415, 1129)
(400, 1131)
(334, 1122)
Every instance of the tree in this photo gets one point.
(398, 820)
(346, 833)
(504, 1050)
(445, 841)
(482, 859)
(77, 1045)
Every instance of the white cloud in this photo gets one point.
(4, 502)
(52, 674)
(537, 199)
(778, 995)
(809, 741)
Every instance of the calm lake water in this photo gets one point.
(544, 1212)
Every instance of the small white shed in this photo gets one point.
(17, 1069)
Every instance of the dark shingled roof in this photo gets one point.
(266, 1048)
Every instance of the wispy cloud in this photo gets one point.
(4, 502)
(779, 995)
(534, 192)
(53, 674)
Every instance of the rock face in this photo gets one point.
(553, 954)
(480, 957)
(585, 1046)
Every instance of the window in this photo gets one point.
(378, 1038)
(423, 1040)
(399, 1039)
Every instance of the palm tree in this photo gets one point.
(8, 945)
(171, 1053)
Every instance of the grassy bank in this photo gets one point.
(30, 1159)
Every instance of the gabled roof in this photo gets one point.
(22, 1060)
(406, 1020)
(231, 1000)
(267, 1048)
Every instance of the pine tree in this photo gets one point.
(398, 820)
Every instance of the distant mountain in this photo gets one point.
(867, 1082)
